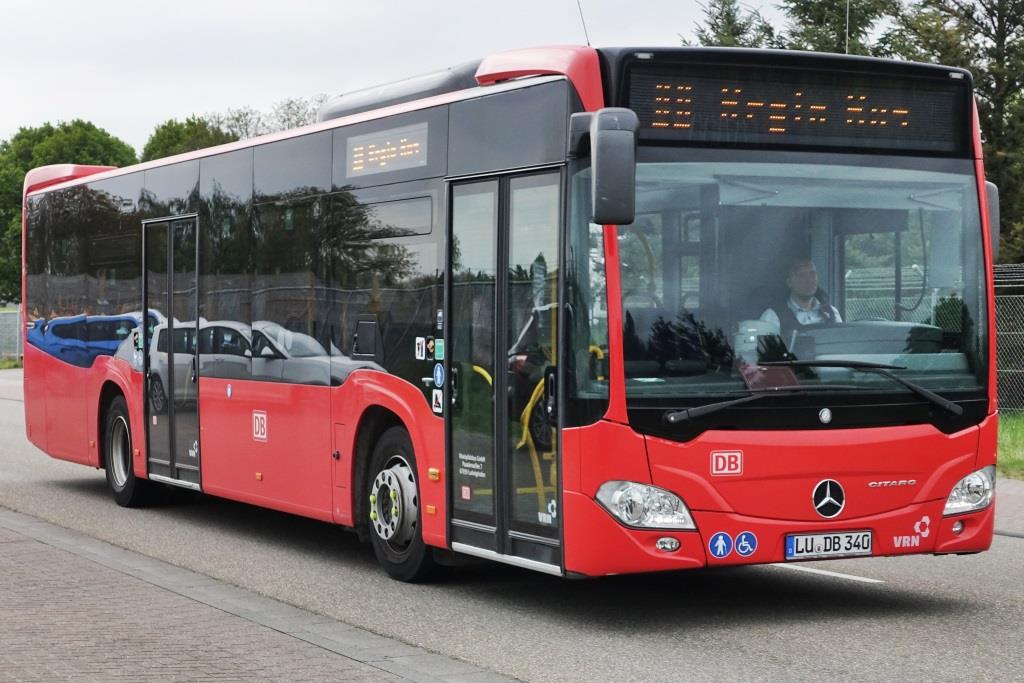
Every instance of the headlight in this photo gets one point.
(645, 506)
(973, 492)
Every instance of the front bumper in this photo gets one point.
(598, 545)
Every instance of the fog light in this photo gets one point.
(667, 544)
(958, 528)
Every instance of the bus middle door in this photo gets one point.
(171, 371)
(502, 319)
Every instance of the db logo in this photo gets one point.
(726, 463)
(259, 425)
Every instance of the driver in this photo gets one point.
(807, 303)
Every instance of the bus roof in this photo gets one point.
(45, 176)
(578, 64)
(499, 72)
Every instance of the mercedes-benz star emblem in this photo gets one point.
(829, 498)
(825, 415)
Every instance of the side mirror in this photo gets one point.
(611, 133)
(613, 166)
(267, 352)
(993, 217)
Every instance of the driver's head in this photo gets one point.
(802, 278)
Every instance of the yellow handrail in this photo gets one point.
(483, 373)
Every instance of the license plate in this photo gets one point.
(834, 544)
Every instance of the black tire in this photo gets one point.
(392, 510)
(125, 487)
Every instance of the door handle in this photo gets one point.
(194, 369)
(551, 391)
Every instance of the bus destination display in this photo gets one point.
(394, 149)
(782, 107)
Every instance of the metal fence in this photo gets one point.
(10, 334)
(1009, 279)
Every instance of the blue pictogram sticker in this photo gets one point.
(720, 545)
(438, 375)
(746, 543)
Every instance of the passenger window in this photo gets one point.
(288, 292)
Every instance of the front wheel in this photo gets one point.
(126, 488)
(393, 513)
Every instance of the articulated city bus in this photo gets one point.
(586, 311)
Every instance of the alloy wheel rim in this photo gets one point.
(120, 451)
(394, 504)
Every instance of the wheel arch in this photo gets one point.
(368, 403)
(373, 422)
(108, 392)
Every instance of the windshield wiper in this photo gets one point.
(883, 369)
(677, 416)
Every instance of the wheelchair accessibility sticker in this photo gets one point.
(720, 545)
(746, 543)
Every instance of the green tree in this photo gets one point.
(843, 26)
(920, 33)
(176, 137)
(295, 112)
(728, 24)
(244, 122)
(78, 142)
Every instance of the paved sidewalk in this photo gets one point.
(75, 608)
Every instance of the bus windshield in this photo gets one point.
(745, 258)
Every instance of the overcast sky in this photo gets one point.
(128, 65)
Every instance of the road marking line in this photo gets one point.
(837, 575)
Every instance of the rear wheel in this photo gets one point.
(393, 510)
(126, 488)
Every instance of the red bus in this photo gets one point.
(586, 311)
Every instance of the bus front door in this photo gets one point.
(502, 319)
(170, 309)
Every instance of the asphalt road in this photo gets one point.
(917, 618)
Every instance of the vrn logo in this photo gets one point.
(906, 541)
(922, 528)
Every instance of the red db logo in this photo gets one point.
(259, 425)
(726, 463)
